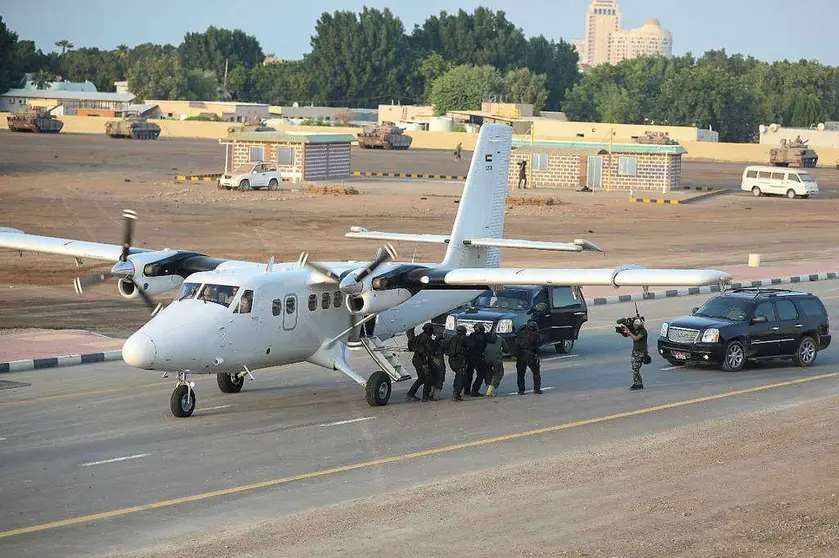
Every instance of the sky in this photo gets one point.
(766, 29)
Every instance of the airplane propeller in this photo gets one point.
(122, 269)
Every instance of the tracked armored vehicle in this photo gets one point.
(34, 120)
(384, 136)
(793, 153)
(134, 127)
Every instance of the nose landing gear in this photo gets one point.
(182, 402)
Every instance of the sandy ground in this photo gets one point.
(762, 484)
(76, 186)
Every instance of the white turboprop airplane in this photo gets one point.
(230, 317)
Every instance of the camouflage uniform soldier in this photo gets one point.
(494, 362)
(456, 350)
(527, 355)
(638, 333)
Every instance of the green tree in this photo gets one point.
(99, 66)
(524, 86)
(42, 79)
(558, 61)
(65, 45)
(11, 73)
(429, 68)
(481, 38)
(465, 87)
(239, 84)
(211, 49)
(360, 59)
(281, 84)
(165, 78)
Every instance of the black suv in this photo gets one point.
(748, 325)
(559, 312)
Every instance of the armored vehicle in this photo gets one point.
(34, 120)
(134, 127)
(795, 153)
(655, 138)
(384, 136)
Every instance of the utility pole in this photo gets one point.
(225, 73)
(609, 169)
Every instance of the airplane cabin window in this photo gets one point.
(336, 302)
(245, 303)
(277, 307)
(313, 302)
(188, 290)
(220, 294)
(325, 301)
(290, 305)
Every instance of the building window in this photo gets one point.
(627, 166)
(285, 155)
(539, 162)
(325, 300)
(313, 302)
(257, 153)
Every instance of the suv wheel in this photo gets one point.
(805, 354)
(791, 194)
(564, 347)
(735, 357)
(756, 192)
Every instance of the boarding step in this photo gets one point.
(386, 358)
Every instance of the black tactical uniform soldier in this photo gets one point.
(476, 343)
(438, 368)
(494, 360)
(527, 347)
(456, 351)
(638, 333)
(424, 347)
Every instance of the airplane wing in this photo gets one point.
(625, 276)
(18, 240)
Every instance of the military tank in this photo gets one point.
(134, 127)
(795, 153)
(384, 136)
(34, 120)
(655, 138)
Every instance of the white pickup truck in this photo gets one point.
(255, 175)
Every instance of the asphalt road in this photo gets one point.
(93, 464)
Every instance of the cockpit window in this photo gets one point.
(220, 294)
(245, 303)
(188, 290)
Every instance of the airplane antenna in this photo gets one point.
(414, 256)
(270, 267)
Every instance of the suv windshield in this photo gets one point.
(726, 308)
(510, 299)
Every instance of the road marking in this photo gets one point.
(340, 422)
(81, 394)
(399, 458)
(216, 408)
(830, 297)
(528, 391)
(2, 439)
(561, 357)
(671, 368)
(115, 460)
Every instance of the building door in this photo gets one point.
(594, 176)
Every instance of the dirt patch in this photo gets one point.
(763, 484)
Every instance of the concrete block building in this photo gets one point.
(599, 167)
(300, 157)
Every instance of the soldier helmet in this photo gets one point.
(479, 328)
(533, 325)
(461, 329)
(638, 322)
(428, 327)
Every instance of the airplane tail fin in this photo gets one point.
(481, 211)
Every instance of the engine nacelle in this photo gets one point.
(373, 301)
(154, 286)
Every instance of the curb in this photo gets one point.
(52, 362)
(714, 288)
(410, 175)
(708, 192)
(197, 177)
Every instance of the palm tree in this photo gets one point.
(42, 79)
(122, 51)
(65, 45)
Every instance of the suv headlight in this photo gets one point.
(664, 327)
(451, 322)
(504, 326)
(711, 335)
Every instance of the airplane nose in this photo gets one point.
(139, 351)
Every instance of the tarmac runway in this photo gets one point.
(93, 464)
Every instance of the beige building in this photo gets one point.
(405, 113)
(648, 40)
(602, 19)
(226, 111)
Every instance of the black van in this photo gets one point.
(559, 312)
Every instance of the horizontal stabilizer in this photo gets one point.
(576, 246)
(359, 232)
(626, 276)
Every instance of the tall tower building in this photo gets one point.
(602, 19)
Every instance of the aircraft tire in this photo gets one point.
(227, 384)
(378, 389)
(178, 402)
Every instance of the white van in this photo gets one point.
(778, 181)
